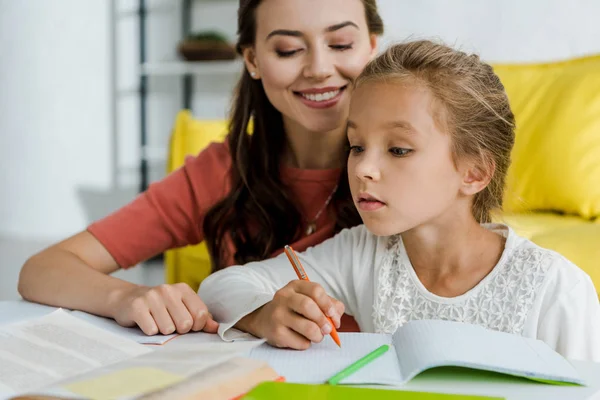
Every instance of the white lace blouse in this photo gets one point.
(532, 291)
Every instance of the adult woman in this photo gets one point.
(301, 57)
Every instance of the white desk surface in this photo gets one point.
(446, 381)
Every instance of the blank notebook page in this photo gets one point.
(325, 359)
(424, 344)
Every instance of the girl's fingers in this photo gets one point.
(307, 328)
(328, 306)
(288, 338)
(306, 307)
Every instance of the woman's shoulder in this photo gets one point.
(216, 155)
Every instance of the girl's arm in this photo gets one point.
(269, 293)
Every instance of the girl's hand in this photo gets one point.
(295, 317)
(164, 309)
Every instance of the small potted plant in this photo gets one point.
(205, 46)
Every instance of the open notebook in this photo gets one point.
(418, 346)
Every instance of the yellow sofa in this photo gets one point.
(553, 186)
(190, 264)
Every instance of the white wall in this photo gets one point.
(55, 112)
(58, 127)
(500, 30)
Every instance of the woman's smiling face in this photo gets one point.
(307, 53)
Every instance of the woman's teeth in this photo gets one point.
(321, 96)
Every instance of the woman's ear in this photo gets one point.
(250, 61)
(477, 176)
(374, 42)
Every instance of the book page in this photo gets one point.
(425, 344)
(184, 356)
(325, 359)
(42, 351)
(133, 333)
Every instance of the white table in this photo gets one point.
(455, 381)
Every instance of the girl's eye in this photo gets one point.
(399, 151)
(356, 149)
(284, 54)
(341, 47)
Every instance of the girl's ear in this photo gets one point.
(250, 61)
(477, 176)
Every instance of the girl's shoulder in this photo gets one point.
(531, 261)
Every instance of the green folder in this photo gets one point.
(295, 391)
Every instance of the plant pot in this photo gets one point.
(205, 50)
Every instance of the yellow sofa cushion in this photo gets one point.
(529, 224)
(579, 244)
(556, 158)
(190, 264)
(573, 237)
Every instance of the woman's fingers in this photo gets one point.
(179, 313)
(197, 309)
(211, 325)
(144, 319)
(159, 312)
(167, 309)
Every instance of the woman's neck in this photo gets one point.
(307, 149)
(452, 255)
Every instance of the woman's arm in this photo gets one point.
(75, 272)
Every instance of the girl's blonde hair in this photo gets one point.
(474, 107)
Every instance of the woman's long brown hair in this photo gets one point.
(258, 216)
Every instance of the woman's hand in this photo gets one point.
(295, 317)
(165, 309)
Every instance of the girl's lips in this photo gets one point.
(370, 204)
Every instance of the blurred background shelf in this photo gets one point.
(181, 68)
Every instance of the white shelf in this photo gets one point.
(177, 68)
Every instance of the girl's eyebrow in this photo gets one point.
(332, 28)
(402, 125)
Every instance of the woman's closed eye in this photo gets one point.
(341, 47)
(290, 53)
(287, 53)
(399, 151)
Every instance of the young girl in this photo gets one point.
(247, 197)
(430, 132)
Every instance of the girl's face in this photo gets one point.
(400, 168)
(306, 54)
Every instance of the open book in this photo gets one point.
(16, 311)
(418, 346)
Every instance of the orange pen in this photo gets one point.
(291, 255)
